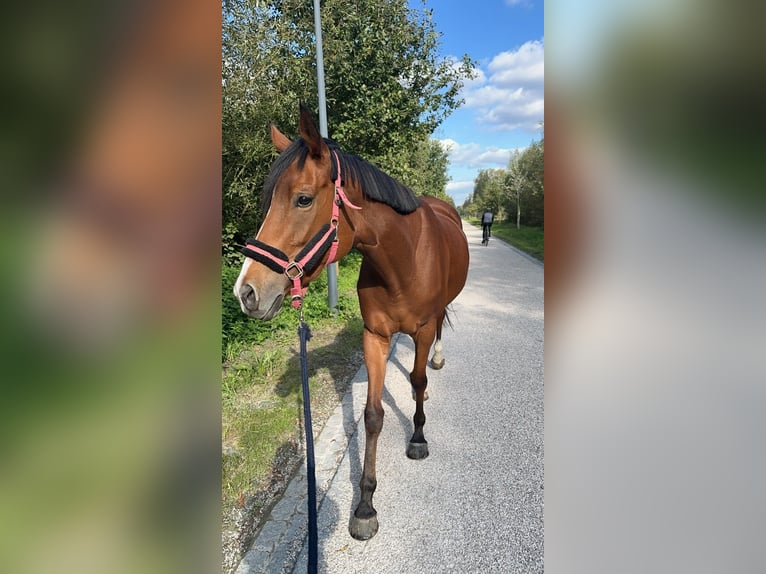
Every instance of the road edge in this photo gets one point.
(279, 542)
(532, 258)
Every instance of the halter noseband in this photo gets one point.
(311, 254)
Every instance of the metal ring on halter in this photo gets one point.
(293, 265)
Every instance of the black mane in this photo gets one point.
(374, 184)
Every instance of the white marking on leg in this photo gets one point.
(438, 352)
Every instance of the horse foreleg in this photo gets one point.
(418, 446)
(364, 522)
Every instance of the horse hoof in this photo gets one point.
(436, 366)
(415, 398)
(363, 528)
(417, 450)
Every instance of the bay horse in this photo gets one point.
(415, 262)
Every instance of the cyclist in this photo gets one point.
(486, 225)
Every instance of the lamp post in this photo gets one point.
(332, 268)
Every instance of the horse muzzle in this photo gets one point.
(264, 305)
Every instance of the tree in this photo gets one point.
(465, 209)
(524, 192)
(517, 190)
(514, 186)
(525, 185)
(488, 190)
(387, 90)
(426, 171)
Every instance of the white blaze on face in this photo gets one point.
(241, 280)
(245, 267)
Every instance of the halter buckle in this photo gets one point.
(290, 267)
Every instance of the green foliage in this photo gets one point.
(240, 331)
(524, 182)
(488, 191)
(261, 376)
(426, 170)
(516, 193)
(387, 91)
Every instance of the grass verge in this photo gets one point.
(529, 239)
(262, 400)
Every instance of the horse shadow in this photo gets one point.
(333, 359)
(331, 514)
(335, 362)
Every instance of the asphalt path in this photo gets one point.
(476, 503)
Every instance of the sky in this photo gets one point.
(504, 103)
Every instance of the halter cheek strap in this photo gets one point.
(309, 257)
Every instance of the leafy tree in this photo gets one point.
(426, 171)
(524, 187)
(518, 190)
(488, 190)
(387, 90)
(514, 188)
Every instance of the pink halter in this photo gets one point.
(311, 254)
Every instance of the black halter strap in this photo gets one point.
(309, 257)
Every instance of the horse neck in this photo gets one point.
(386, 241)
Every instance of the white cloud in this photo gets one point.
(525, 65)
(459, 185)
(459, 190)
(511, 95)
(473, 155)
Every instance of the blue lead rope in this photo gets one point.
(305, 334)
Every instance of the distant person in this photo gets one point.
(486, 225)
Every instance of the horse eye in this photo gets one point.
(304, 201)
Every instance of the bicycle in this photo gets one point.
(485, 235)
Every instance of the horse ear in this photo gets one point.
(280, 140)
(310, 133)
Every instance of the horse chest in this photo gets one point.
(386, 313)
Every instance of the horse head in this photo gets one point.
(302, 202)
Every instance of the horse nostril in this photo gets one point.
(248, 297)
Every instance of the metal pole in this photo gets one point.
(332, 268)
(320, 70)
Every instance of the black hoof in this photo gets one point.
(417, 450)
(436, 366)
(363, 528)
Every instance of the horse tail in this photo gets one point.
(447, 310)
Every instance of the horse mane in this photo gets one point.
(374, 183)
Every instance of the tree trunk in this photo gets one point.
(518, 211)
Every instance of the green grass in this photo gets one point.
(529, 239)
(239, 329)
(260, 382)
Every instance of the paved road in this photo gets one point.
(476, 503)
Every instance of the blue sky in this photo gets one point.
(504, 104)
